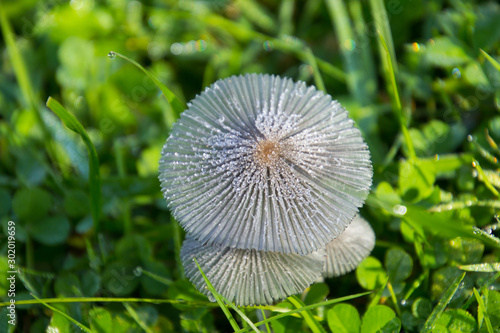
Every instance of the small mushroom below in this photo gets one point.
(345, 253)
(250, 277)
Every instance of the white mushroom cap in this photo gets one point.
(260, 162)
(345, 253)
(250, 277)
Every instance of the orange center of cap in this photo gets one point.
(267, 152)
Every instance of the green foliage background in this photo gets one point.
(421, 80)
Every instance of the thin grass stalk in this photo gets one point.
(24, 81)
(94, 175)
(482, 314)
(394, 298)
(484, 287)
(175, 103)
(318, 80)
(484, 178)
(111, 300)
(120, 165)
(30, 252)
(378, 295)
(137, 318)
(307, 307)
(243, 33)
(491, 60)
(313, 324)
(157, 277)
(363, 47)
(69, 318)
(379, 15)
(219, 300)
(177, 234)
(20, 69)
(355, 78)
(285, 17)
(268, 329)
(443, 303)
(397, 101)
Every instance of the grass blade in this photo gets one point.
(283, 312)
(491, 60)
(243, 33)
(110, 300)
(484, 287)
(177, 235)
(390, 72)
(307, 315)
(487, 237)
(443, 302)
(394, 298)
(156, 277)
(74, 321)
(485, 267)
(94, 177)
(26, 87)
(285, 17)
(491, 142)
(449, 162)
(484, 178)
(268, 329)
(482, 314)
(456, 205)
(120, 165)
(356, 79)
(436, 223)
(137, 319)
(369, 76)
(19, 68)
(317, 75)
(175, 103)
(221, 299)
(389, 64)
(382, 24)
(308, 307)
(378, 295)
(258, 15)
(170, 301)
(27, 283)
(391, 76)
(416, 283)
(224, 308)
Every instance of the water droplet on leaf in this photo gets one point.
(399, 209)
(138, 271)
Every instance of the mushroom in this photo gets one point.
(250, 277)
(345, 253)
(260, 162)
(262, 173)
